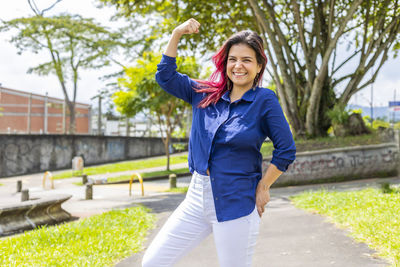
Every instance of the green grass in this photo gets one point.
(100, 240)
(371, 216)
(125, 166)
(182, 190)
(336, 142)
(326, 143)
(266, 149)
(148, 175)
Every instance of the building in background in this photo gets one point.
(139, 127)
(27, 113)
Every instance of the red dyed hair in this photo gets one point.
(218, 83)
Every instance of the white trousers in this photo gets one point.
(193, 221)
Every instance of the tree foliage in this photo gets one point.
(143, 94)
(311, 45)
(73, 43)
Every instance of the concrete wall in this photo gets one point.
(341, 163)
(23, 154)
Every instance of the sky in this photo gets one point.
(13, 67)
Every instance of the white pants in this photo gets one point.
(193, 221)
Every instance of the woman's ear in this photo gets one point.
(259, 68)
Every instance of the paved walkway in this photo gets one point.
(288, 236)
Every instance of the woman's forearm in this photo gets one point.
(270, 176)
(172, 46)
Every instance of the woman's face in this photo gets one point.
(242, 66)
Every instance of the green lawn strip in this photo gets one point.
(125, 166)
(326, 143)
(337, 142)
(100, 240)
(148, 175)
(181, 190)
(371, 216)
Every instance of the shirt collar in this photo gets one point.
(248, 96)
(225, 96)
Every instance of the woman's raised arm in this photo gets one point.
(188, 27)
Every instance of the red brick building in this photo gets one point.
(23, 112)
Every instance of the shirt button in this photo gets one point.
(212, 179)
(216, 198)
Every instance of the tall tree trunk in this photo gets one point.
(72, 128)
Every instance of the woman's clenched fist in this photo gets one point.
(188, 27)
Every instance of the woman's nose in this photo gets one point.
(238, 64)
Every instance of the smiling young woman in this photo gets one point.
(232, 116)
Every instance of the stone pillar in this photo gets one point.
(19, 186)
(89, 191)
(25, 195)
(84, 179)
(172, 181)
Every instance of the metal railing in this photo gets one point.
(131, 181)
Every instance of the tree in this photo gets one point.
(74, 43)
(304, 42)
(143, 94)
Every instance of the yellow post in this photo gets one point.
(140, 180)
(50, 176)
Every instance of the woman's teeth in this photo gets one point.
(239, 74)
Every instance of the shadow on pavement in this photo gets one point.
(161, 203)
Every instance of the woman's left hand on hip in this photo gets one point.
(262, 198)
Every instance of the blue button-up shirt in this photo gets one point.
(226, 138)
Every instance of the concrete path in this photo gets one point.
(288, 236)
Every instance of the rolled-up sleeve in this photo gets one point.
(173, 82)
(278, 130)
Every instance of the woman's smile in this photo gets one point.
(239, 74)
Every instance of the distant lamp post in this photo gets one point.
(102, 93)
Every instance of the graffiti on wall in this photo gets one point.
(28, 154)
(341, 163)
(115, 149)
(18, 157)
